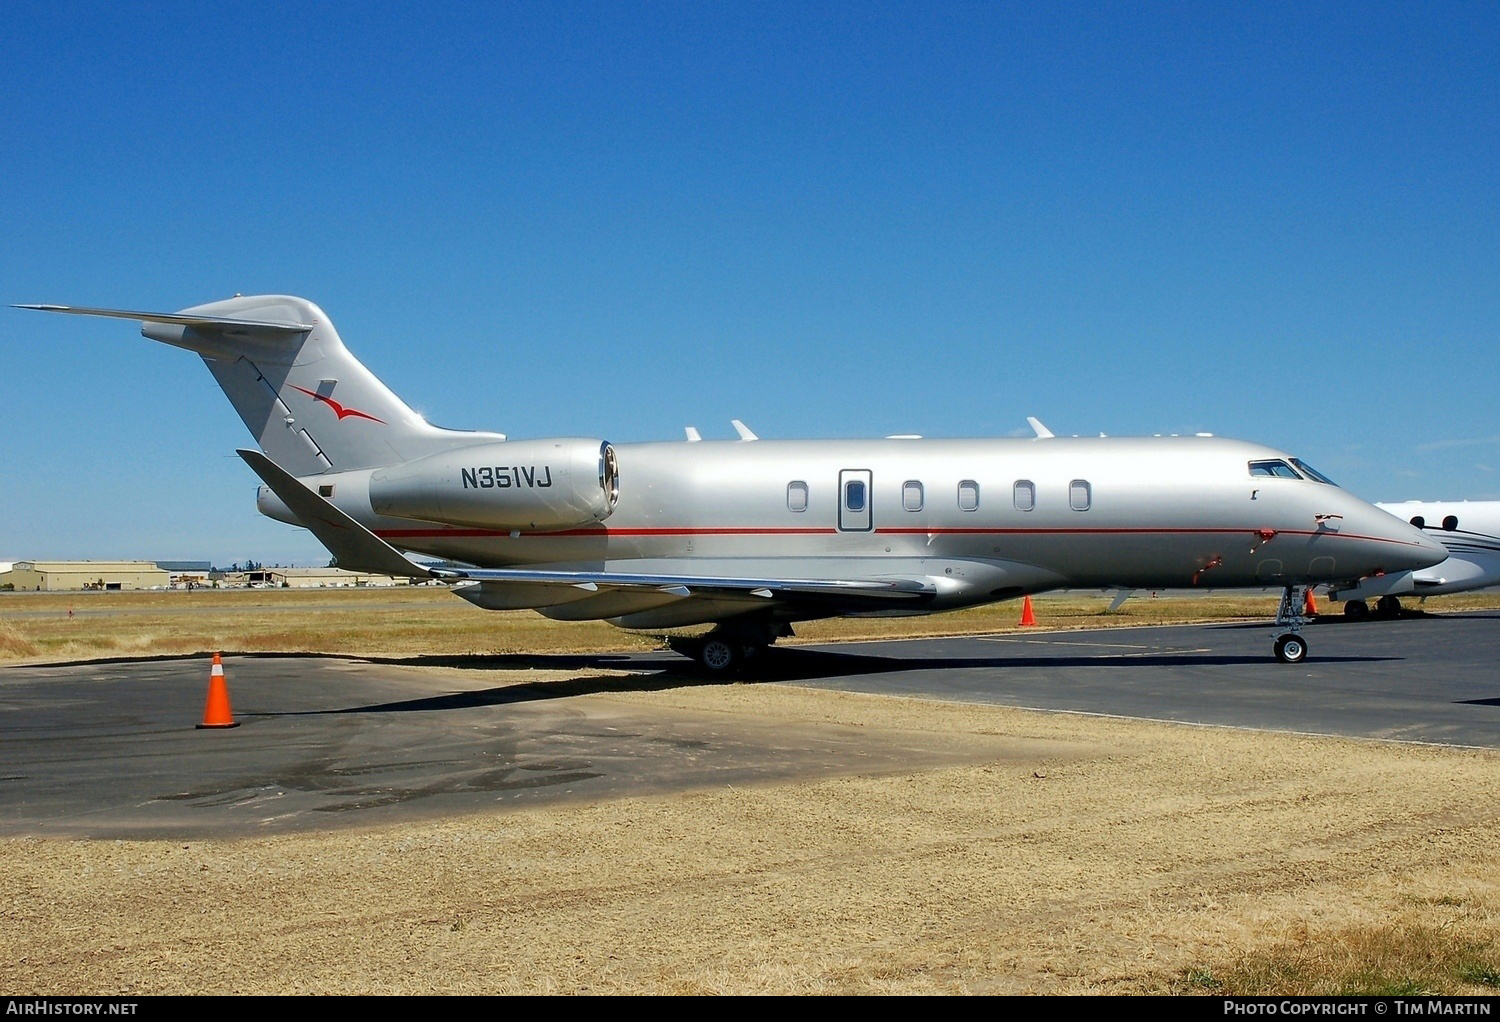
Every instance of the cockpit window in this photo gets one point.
(1312, 473)
(1280, 469)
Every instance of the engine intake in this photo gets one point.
(537, 485)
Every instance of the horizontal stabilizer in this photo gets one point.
(353, 546)
(177, 318)
(311, 406)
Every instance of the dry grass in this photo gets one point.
(14, 644)
(392, 622)
(1430, 950)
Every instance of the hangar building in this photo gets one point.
(317, 578)
(52, 576)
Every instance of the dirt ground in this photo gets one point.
(1092, 856)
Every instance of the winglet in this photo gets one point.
(353, 546)
(743, 430)
(693, 436)
(1042, 432)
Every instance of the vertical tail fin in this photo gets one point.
(310, 404)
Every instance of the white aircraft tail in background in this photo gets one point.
(1468, 529)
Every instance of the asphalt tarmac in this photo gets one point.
(110, 748)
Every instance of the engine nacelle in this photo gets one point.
(536, 485)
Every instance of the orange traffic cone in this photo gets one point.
(1309, 605)
(1027, 617)
(216, 712)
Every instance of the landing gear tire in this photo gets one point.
(1291, 649)
(1356, 610)
(720, 657)
(725, 652)
(1390, 606)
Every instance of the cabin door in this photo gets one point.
(854, 500)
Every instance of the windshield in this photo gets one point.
(1272, 468)
(1311, 472)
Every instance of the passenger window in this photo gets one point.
(1419, 522)
(968, 495)
(1450, 524)
(911, 495)
(1025, 494)
(854, 495)
(1080, 494)
(796, 496)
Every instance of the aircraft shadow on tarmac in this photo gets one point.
(653, 673)
(794, 661)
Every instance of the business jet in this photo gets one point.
(1468, 530)
(746, 538)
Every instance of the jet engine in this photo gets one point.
(536, 485)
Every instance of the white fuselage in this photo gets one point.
(756, 534)
(994, 518)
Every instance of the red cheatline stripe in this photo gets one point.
(1140, 531)
(750, 531)
(601, 531)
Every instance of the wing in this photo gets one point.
(587, 594)
(874, 589)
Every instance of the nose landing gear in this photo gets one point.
(1290, 647)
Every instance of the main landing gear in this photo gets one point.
(1386, 606)
(731, 647)
(1290, 647)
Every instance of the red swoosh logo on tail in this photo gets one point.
(338, 409)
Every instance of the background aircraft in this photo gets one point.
(1469, 530)
(751, 536)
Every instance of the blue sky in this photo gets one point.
(1279, 222)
